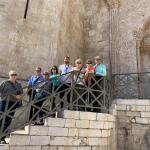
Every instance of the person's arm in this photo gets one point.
(104, 70)
(59, 70)
(1, 88)
(30, 82)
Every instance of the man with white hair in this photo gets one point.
(10, 98)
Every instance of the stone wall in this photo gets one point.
(96, 29)
(52, 29)
(132, 16)
(76, 131)
(133, 123)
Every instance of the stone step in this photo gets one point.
(4, 147)
(24, 140)
(69, 132)
(79, 115)
(104, 122)
(25, 131)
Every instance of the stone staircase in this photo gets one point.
(76, 131)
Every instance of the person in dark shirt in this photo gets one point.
(10, 93)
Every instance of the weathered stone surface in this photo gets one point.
(67, 148)
(82, 124)
(73, 132)
(97, 124)
(26, 148)
(4, 147)
(56, 131)
(88, 115)
(49, 148)
(40, 140)
(71, 114)
(20, 140)
(89, 133)
(70, 123)
(56, 122)
(39, 130)
(142, 120)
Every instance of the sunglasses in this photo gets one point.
(79, 63)
(13, 75)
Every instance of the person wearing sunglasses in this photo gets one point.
(10, 98)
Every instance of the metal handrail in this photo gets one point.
(92, 96)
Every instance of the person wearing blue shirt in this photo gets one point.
(100, 69)
(32, 87)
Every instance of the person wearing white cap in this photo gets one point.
(11, 93)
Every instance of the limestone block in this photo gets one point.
(73, 132)
(70, 123)
(102, 117)
(96, 124)
(111, 118)
(103, 147)
(125, 102)
(98, 141)
(142, 120)
(56, 122)
(67, 148)
(121, 113)
(136, 108)
(143, 102)
(123, 118)
(4, 147)
(49, 148)
(39, 130)
(60, 141)
(19, 140)
(57, 131)
(25, 148)
(121, 107)
(84, 148)
(82, 123)
(147, 108)
(88, 115)
(133, 114)
(105, 133)
(145, 114)
(71, 114)
(40, 140)
(89, 133)
(67, 141)
(108, 125)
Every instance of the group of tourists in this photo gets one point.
(11, 90)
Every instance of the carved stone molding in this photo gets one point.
(113, 3)
(138, 34)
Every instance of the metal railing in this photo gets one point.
(47, 98)
(131, 85)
